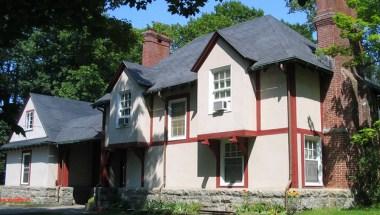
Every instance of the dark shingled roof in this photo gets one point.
(64, 120)
(264, 41)
(104, 100)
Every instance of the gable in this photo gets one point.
(37, 131)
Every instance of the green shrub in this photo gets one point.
(172, 208)
(90, 206)
(366, 180)
(260, 209)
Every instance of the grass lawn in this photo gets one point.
(334, 211)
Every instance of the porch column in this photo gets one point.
(104, 163)
(63, 168)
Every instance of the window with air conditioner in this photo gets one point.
(221, 89)
(124, 109)
(177, 119)
(313, 161)
(232, 164)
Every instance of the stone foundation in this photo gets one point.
(38, 195)
(225, 200)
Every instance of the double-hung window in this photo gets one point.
(232, 168)
(221, 89)
(29, 118)
(125, 108)
(25, 167)
(177, 119)
(313, 161)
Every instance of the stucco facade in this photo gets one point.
(43, 167)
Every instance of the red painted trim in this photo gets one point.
(303, 159)
(206, 51)
(22, 164)
(309, 132)
(291, 85)
(272, 131)
(63, 169)
(258, 101)
(227, 134)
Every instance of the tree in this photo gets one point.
(308, 7)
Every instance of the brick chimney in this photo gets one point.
(341, 104)
(155, 48)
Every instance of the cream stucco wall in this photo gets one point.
(274, 110)
(269, 162)
(190, 165)
(138, 130)
(308, 99)
(38, 129)
(133, 171)
(159, 111)
(154, 167)
(43, 167)
(243, 112)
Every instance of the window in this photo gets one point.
(221, 89)
(232, 160)
(125, 108)
(177, 119)
(25, 167)
(313, 161)
(29, 118)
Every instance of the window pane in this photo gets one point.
(233, 169)
(311, 171)
(216, 85)
(228, 93)
(228, 83)
(216, 76)
(178, 115)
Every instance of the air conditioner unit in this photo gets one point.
(220, 106)
(123, 121)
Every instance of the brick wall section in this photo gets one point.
(155, 48)
(343, 98)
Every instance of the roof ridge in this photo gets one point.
(60, 98)
(245, 22)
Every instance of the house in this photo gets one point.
(61, 148)
(246, 107)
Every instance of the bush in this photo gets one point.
(172, 208)
(366, 180)
(260, 209)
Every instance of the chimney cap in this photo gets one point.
(155, 34)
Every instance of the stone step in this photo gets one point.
(207, 212)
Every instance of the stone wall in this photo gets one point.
(38, 195)
(225, 200)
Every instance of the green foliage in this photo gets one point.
(302, 29)
(84, 83)
(172, 208)
(224, 15)
(309, 9)
(260, 208)
(366, 180)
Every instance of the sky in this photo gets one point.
(157, 12)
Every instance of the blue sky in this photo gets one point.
(157, 12)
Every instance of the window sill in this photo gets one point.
(313, 185)
(219, 113)
(177, 138)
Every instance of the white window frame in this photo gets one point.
(316, 139)
(170, 137)
(119, 108)
(23, 167)
(222, 165)
(29, 120)
(212, 90)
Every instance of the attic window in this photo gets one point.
(125, 106)
(29, 118)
